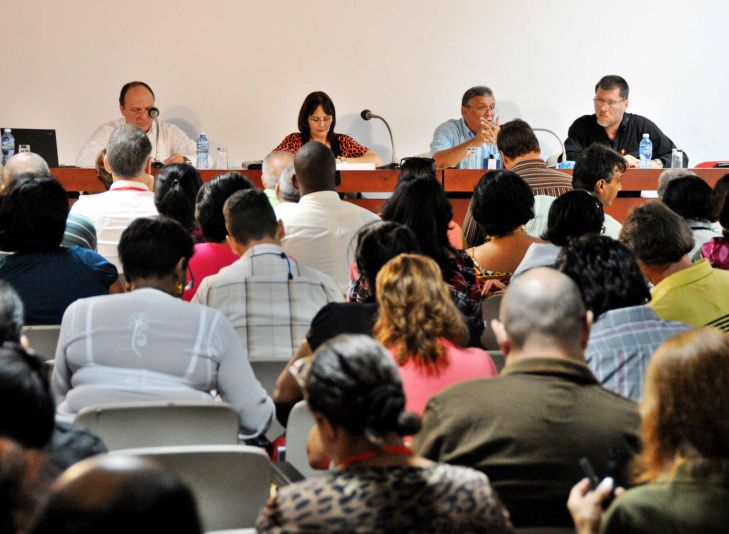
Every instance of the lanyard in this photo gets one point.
(395, 450)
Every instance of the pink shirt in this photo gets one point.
(208, 259)
(463, 364)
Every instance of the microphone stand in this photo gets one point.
(394, 164)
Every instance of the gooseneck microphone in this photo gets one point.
(367, 115)
(154, 113)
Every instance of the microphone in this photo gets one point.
(367, 115)
(153, 113)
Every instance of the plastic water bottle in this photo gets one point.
(8, 145)
(646, 152)
(202, 151)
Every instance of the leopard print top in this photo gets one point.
(348, 147)
(439, 498)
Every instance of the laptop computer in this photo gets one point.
(42, 142)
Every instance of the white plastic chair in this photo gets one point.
(297, 429)
(43, 339)
(231, 483)
(158, 424)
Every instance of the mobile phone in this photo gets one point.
(589, 473)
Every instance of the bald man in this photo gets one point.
(273, 165)
(118, 494)
(527, 428)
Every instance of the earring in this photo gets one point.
(180, 288)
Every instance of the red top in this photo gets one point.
(208, 259)
(348, 147)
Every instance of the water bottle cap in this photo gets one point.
(203, 133)
(7, 130)
(646, 136)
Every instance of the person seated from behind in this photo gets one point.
(684, 467)
(667, 176)
(271, 169)
(175, 190)
(287, 195)
(47, 276)
(692, 198)
(574, 214)
(625, 331)
(378, 484)
(502, 204)
(148, 344)
(418, 322)
(682, 290)
(118, 494)
(716, 250)
(215, 253)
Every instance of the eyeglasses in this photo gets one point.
(319, 120)
(609, 103)
(483, 109)
(139, 111)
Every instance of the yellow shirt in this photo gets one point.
(698, 296)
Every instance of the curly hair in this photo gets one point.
(685, 401)
(502, 201)
(415, 310)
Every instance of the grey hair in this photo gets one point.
(127, 151)
(479, 90)
(668, 176)
(286, 190)
(543, 306)
(273, 166)
(11, 314)
(25, 163)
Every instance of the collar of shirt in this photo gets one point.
(621, 316)
(568, 369)
(685, 277)
(128, 184)
(711, 471)
(320, 197)
(529, 164)
(263, 248)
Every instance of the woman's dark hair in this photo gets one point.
(422, 206)
(414, 168)
(311, 102)
(721, 191)
(606, 272)
(355, 384)
(27, 408)
(378, 243)
(572, 215)
(211, 199)
(33, 212)
(502, 202)
(175, 189)
(691, 198)
(152, 247)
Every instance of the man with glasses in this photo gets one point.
(611, 125)
(169, 143)
(477, 128)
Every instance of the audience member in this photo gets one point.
(684, 466)
(103, 175)
(571, 215)
(119, 495)
(128, 159)
(319, 232)
(175, 190)
(521, 154)
(215, 253)
(147, 344)
(357, 401)
(287, 195)
(528, 427)
(23, 486)
(502, 204)
(377, 243)
(684, 291)
(273, 165)
(599, 171)
(626, 332)
(268, 297)
(721, 190)
(418, 322)
(668, 175)
(47, 276)
(692, 198)
(423, 206)
(716, 250)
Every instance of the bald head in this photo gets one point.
(115, 494)
(315, 168)
(273, 166)
(25, 163)
(543, 310)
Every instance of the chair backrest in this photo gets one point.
(231, 483)
(297, 429)
(43, 339)
(157, 424)
(490, 311)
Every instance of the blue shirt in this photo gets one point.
(48, 282)
(455, 132)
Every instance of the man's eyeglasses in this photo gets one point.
(483, 109)
(138, 111)
(609, 103)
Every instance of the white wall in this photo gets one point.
(241, 69)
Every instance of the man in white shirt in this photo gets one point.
(128, 160)
(320, 231)
(273, 166)
(169, 143)
(269, 297)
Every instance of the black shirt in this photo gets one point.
(585, 131)
(341, 318)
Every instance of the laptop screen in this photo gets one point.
(42, 142)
